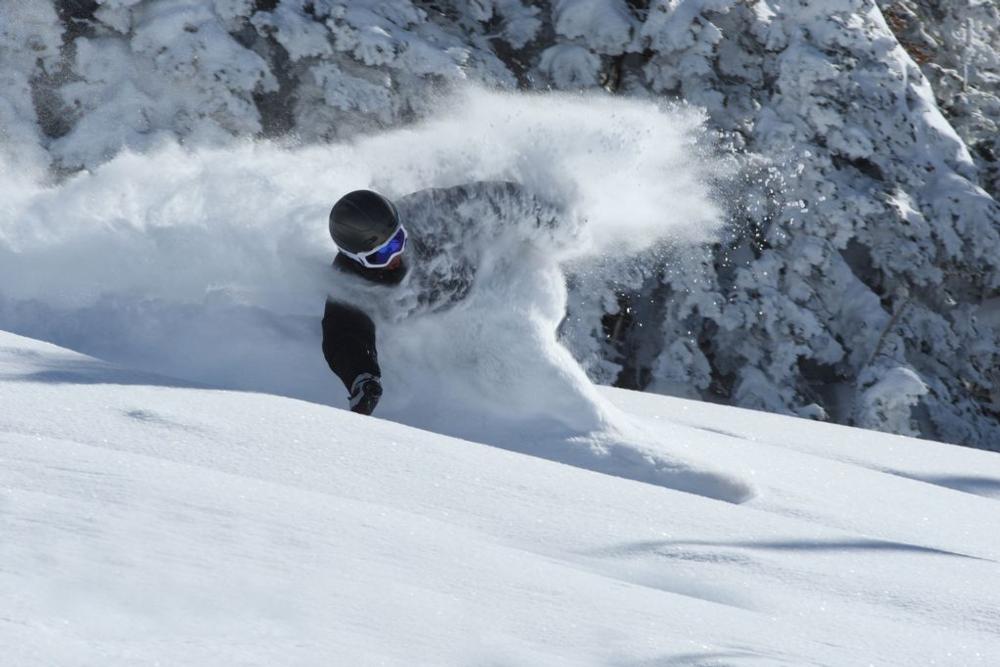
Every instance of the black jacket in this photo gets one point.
(348, 333)
(449, 230)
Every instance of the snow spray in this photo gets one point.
(211, 264)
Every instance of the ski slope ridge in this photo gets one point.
(149, 520)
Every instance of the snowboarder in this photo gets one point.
(370, 240)
(452, 227)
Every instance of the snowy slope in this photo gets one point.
(152, 520)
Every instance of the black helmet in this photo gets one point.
(362, 221)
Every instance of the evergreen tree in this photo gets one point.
(858, 278)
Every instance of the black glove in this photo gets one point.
(365, 392)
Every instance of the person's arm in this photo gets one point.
(349, 349)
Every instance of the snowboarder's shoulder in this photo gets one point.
(470, 190)
(501, 196)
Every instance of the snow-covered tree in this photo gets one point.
(861, 244)
(30, 43)
(361, 66)
(206, 72)
(955, 44)
(146, 69)
(862, 249)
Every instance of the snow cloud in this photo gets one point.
(177, 224)
(213, 265)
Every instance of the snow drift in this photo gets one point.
(212, 265)
(147, 522)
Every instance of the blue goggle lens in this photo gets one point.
(392, 247)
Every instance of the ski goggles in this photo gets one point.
(383, 255)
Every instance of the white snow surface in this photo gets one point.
(147, 520)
